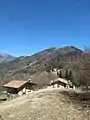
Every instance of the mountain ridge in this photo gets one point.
(41, 61)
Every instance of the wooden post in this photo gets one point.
(74, 87)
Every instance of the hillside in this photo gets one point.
(39, 62)
(25, 62)
(45, 104)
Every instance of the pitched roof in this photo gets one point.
(61, 80)
(15, 84)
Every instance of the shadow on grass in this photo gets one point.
(81, 98)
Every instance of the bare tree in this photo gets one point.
(84, 69)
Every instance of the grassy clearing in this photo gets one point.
(45, 104)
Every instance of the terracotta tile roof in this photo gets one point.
(15, 84)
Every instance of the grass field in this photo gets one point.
(45, 104)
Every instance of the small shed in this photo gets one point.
(59, 82)
(31, 85)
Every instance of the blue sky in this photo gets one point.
(28, 26)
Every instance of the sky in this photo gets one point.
(29, 26)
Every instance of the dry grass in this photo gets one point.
(45, 104)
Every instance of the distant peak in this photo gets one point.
(6, 57)
(4, 54)
(71, 47)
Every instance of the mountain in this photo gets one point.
(28, 61)
(6, 57)
(63, 56)
(25, 66)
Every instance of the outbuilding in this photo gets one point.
(59, 82)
